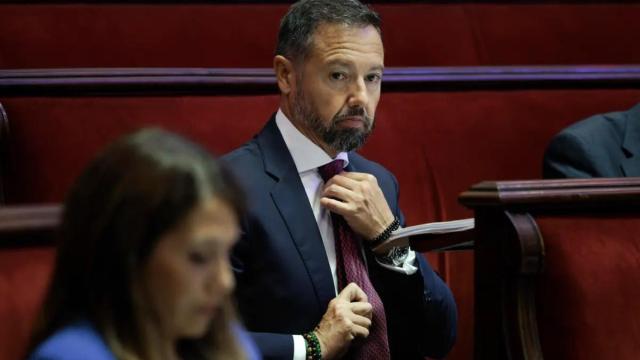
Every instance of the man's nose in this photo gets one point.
(358, 96)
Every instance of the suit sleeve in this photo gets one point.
(274, 346)
(270, 345)
(420, 308)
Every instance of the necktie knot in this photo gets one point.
(327, 171)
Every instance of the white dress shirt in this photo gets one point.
(307, 157)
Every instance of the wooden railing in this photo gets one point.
(127, 81)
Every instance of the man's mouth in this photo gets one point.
(351, 121)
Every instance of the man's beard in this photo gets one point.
(338, 139)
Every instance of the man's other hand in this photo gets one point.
(347, 317)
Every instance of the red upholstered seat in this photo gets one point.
(197, 35)
(24, 275)
(588, 294)
(446, 140)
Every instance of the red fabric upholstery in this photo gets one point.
(24, 274)
(446, 140)
(588, 295)
(556, 33)
(197, 35)
(53, 138)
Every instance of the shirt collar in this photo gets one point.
(306, 154)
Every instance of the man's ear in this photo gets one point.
(285, 74)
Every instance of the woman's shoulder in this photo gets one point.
(246, 342)
(79, 340)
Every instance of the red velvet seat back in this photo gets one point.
(588, 294)
(198, 35)
(437, 143)
(52, 139)
(24, 275)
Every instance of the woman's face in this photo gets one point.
(188, 275)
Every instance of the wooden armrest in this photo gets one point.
(28, 224)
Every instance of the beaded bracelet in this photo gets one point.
(314, 352)
(386, 234)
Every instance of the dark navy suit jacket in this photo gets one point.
(284, 283)
(606, 145)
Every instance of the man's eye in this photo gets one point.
(374, 77)
(338, 76)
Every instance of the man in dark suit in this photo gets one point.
(605, 145)
(306, 238)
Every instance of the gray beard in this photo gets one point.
(338, 139)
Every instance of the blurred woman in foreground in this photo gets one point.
(142, 268)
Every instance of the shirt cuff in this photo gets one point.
(408, 266)
(299, 348)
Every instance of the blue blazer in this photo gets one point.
(606, 145)
(78, 341)
(284, 283)
(81, 341)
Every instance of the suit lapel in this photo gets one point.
(631, 143)
(290, 198)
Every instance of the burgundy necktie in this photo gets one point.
(350, 267)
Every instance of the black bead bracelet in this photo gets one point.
(386, 234)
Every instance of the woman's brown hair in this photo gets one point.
(137, 189)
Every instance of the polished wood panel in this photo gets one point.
(127, 81)
(553, 194)
(28, 225)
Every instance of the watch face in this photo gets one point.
(397, 255)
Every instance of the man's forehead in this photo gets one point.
(326, 33)
(334, 37)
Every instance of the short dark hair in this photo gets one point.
(299, 24)
(136, 190)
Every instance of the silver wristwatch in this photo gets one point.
(395, 256)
